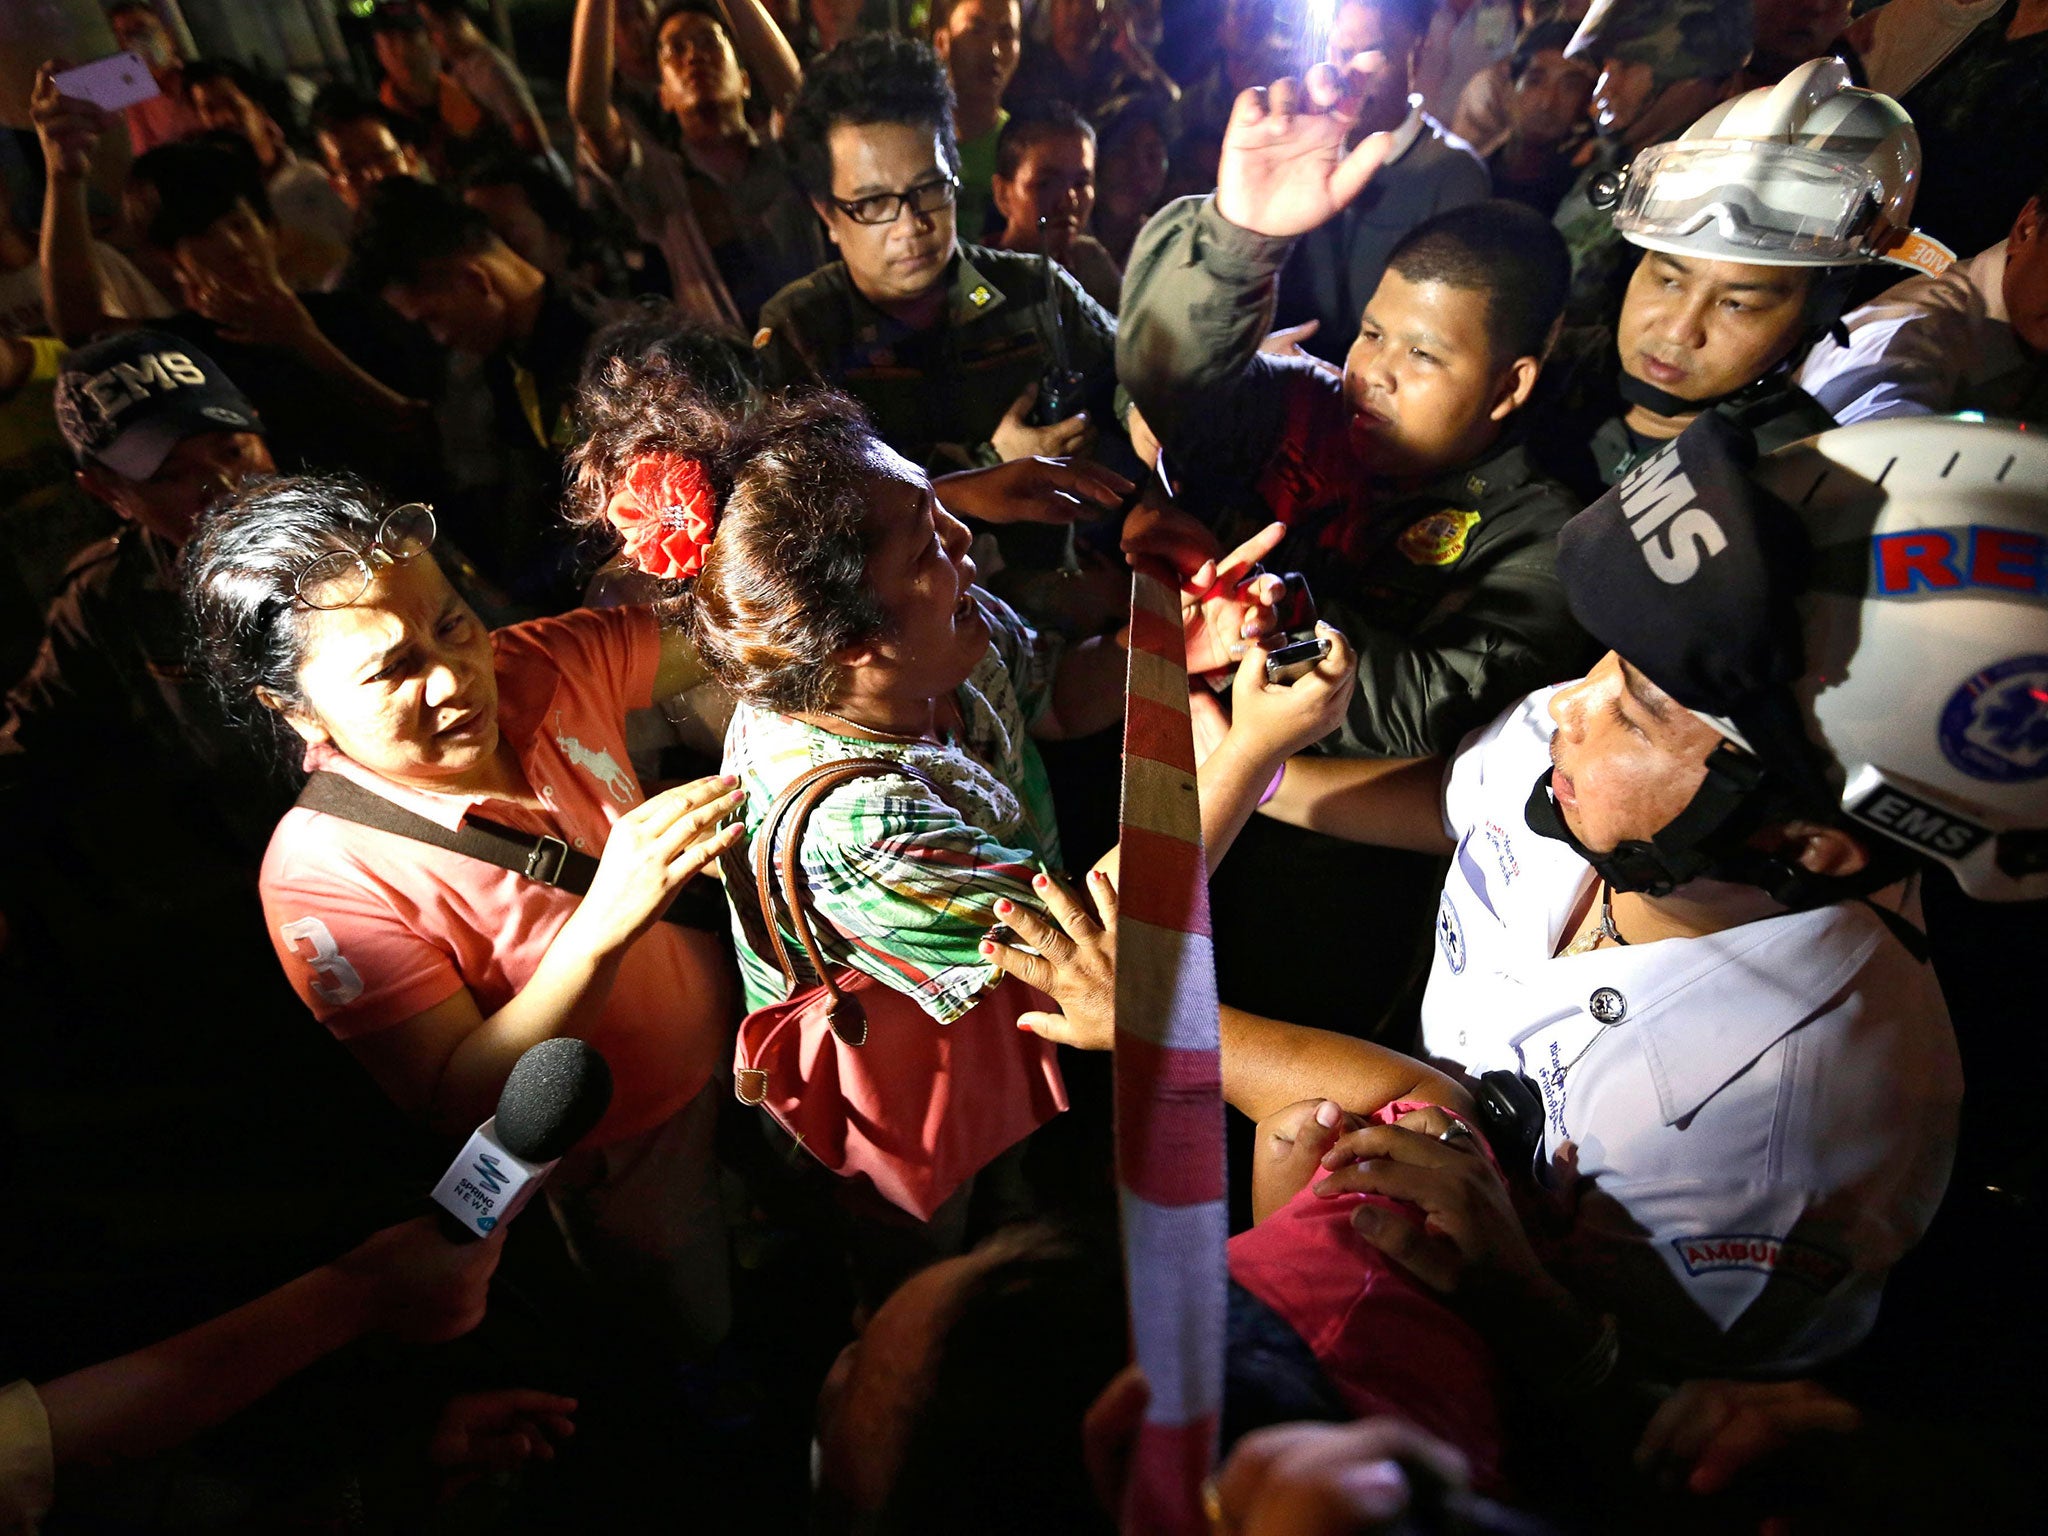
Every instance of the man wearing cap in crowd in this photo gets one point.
(1662, 63)
(1752, 227)
(108, 711)
(1678, 959)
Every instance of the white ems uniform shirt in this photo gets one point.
(1930, 345)
(1765, 1120)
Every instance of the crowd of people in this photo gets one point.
(644, 556)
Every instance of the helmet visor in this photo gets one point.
(1744, 199)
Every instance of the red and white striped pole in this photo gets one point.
(1169, 1086)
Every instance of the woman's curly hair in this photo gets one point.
(784, 584)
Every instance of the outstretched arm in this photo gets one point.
(764, 51)
(1267, 1064)
(69, 130)
(1394, 802)
(590, 84)
(407, 1280)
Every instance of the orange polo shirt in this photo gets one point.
(374, 928)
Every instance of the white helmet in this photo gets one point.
(1810, 172)
(1926, 635)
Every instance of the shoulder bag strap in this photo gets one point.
(545, 858)
(795, 804)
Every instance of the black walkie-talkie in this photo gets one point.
(1060, 387)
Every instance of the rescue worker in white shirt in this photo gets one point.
(1679, 971)
(1972, 338)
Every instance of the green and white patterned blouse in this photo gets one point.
(905, 883)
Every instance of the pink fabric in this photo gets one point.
(1387, 1343)
(373, 929)
(161, 120)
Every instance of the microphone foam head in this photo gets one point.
(557, 1091)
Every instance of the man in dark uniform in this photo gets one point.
(954, 350)
(1409, 501)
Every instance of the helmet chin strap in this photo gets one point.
(1641, 392)
(1704, 839)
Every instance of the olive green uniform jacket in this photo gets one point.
(1447, 592)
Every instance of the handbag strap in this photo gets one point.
(793, 807)
(545, 858)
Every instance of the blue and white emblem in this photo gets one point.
(1995, 726)
(1450, 934)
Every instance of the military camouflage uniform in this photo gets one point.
(1680, 40)
(935, 396)
(1447, 592)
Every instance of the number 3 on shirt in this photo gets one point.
(310, 941)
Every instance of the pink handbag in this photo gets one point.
(863, 1078)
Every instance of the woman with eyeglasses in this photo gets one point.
(321, 610)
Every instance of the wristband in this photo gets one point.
(1273, 788)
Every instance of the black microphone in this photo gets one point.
(557, 1091)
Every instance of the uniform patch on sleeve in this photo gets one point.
(1760, 1254)
(762, 337)
(1438, 539)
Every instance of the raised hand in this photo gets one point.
(1032, 490)
(1286, 167)
(1075, 963)
(69, 129)
(652, 852)
(1016, 438)
(1226, 602)
(1286, 718)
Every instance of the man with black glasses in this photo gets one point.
(961, 355)
(946, 345)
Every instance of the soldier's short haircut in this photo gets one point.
(875, 78)
(1034, 123)
(1508, 252)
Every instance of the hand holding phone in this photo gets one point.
(120, 80)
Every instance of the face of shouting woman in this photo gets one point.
(921, 574)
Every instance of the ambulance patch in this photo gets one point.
(1450, 935)
(1995, 726)
(1760, 1254)
(1438, 539)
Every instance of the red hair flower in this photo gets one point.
(669, 530)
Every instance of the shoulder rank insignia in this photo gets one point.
(979, 295)
(1438, 539)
